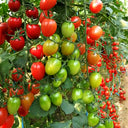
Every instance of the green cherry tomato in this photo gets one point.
(77, 94)
(56, 98)
(47, 89)
(109, 124)
(56, 83)
(13, 105)
(55, 37)
(74, 66)
(95, 79)
(88, 96)
(62, 75)
(93, 120)
(67, 48)
(67, 29)
(45, 102)
(101, 126)
(92, 107)
(85, 84)
(52, 66)
(75, 54)
(57, 55)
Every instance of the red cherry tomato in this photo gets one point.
(22, 111)
(14, 5)
(34, 88)
(76, 21)
(3, 115)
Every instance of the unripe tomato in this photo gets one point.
(77, 94)
(45, 102)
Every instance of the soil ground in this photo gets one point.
(123, 105)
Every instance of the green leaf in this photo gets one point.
(16, 124)
(61, 125)
(79, 121)
(67, 84)
(67, 107)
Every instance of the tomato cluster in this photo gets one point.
(60, 65)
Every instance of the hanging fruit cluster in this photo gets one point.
(59, 67)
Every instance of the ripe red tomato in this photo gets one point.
(93, 58)
(95, 32)
(44, 15)
(32, 13)
(48, 27)
(33, 31)
(47, 4)
(14, 23)
(27, 100)
(14, 5)
(9, 122)
(10, 32)
(37, 51)
(4, 27)
(38, 70)
(18, 91)
(76, 21)
(22, 111)
(81, 47)
(96, 6)
(88, 22)
(3, 115)
(17, 74)
(49, 48)
(17, 44)
(89, 40)
(34, 88)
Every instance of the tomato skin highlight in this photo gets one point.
(45, 102)
(13, 105)
(95, 32)
(76, 21)
(14, 5)
(17, 44)
(48, 27)
(96, 6)
(3, 115)
(38, 70)
(47, 4)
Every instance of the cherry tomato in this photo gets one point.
(45, 102)
(52, 66)
(14, 5)
(14, 23)
(38, 70)
(17, 44)
(13, 105)
(81, 47)
(67, 29)
(109, 124)
(67, 48)
(47, 4)
(33, 31)
(96, 6)
(77, 94)
(93, 58)
(76, 21)
(88, 96)
(4, 27)
(92, 107)
(56, 98)
(95, 32)
(32, 13)
(48, 27)
(101, 126)
(95, 79)
(88, 22)
(3, 115)
(50, 47)
(73, 37)
(22, 112)
(34, 88)
(27, 100)
(74, 66)
(75, 54)
(2, 38)
(55, 37)
(37, 51)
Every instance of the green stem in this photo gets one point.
(66, 9)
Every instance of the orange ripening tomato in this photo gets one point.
(73, 37)
(81, 47)
(34, 88)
